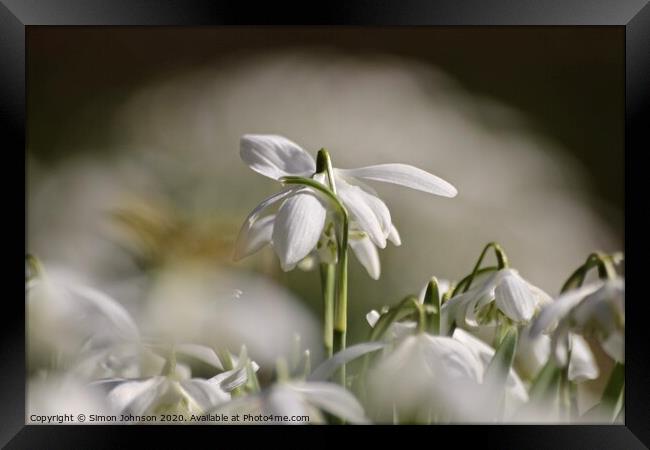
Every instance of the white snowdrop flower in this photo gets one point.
(417, 379)
(515, 389)
(596, 309)
(513, 296)
(174, 393)
(534, 351)
(298, 226)
(296, 402)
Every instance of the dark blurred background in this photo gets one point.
(569, 80)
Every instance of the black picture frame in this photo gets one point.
(632, 15)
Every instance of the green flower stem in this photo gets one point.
(502, 263)
(170, 367)
(226, 361)
(463, 285)
(604, 263)
(341, 306)
(432, 304)
(324, 164)
(328, 283)
(282, 370)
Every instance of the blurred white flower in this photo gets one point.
(506, 289)
(63, 394)
(516, 393)
(284, 402)
(596, 309)
(175, 392)
(227, 309)
(534, 351)
(515, 389)
(417, 380)
(64, 317)
(296, 229)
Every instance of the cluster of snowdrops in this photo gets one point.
(487, 348)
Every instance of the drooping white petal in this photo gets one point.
(367, 254)
(550, 314)
(283, 401)
(251, 237)
(560, 344)
(532, 352)
(137, 396)
(201, 352)
(454, 357)
(362, 213)
(514, 298)
(373, 201)
(614, 346)
(275, 156)
(582, 364)
(404, 175)
(604, 310)
(329, 366)
(298, 226)
(206, 395)
(393, 236)
(485, 353)
(98, 304)
(333, 399)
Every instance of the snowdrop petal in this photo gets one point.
(377, 206)
(514, 298)
(231, 379)
(560, 344)
(298, 226)
(251, 237)
(205, 394)
(327, 368)
(333, 399)
(362, 213)
(201, 352)
(614, 346)
(136, 397)
(275, 156)
(366, 253)
(103, 305)
(255, 237)
(404, 175)
(582, 364)
(550, 314)
(394, 237)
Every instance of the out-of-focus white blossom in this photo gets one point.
(596, 309)
(284, 402)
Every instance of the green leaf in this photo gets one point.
(613, 395)
(432, 307)
(405, 308)
(499, 368)
(545, 382)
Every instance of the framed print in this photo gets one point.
(372, 217)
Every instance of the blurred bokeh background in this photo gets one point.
(135, 182)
